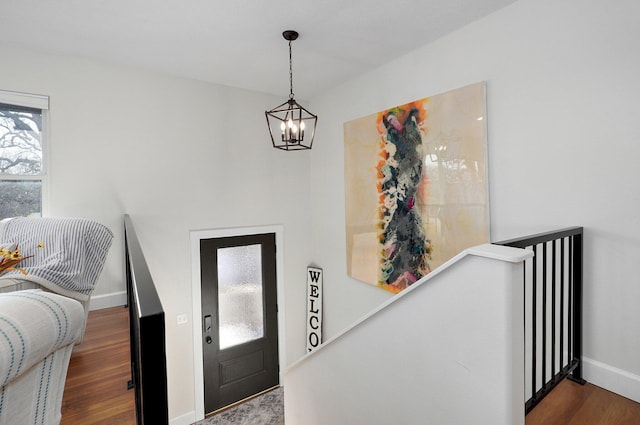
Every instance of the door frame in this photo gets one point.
(196, 292)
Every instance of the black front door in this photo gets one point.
(239, 318)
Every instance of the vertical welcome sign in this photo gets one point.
(314, 308)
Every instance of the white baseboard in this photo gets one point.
(610, 378)
(115, 299)
(186, 419)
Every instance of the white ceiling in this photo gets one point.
(239, 42)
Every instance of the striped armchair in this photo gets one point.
(38, 331)
(66, 255)
(39, 327)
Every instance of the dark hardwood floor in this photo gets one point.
(96, 388)
(574, 404)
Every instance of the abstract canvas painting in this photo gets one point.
(416, 186)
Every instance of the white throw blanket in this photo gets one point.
(38, 331)
(68, 253)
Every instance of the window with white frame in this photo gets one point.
(22, 153)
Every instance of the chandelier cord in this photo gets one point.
(290, 73)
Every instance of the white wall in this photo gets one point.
(564, 142)
(428, 355)
(177, 155)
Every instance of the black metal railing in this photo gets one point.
(147, 335)
(553, 310)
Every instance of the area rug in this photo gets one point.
(266, 409)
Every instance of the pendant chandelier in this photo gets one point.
(291, 126)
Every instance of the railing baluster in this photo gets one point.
(577, 308)
(562, 273)
(569, 306)
(534, 321)
(570, 315)
(553, 307)
(544, 313)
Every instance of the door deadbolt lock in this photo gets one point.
(208, 339)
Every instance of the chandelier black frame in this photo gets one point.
(291, 126)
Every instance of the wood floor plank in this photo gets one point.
(606, 408)
(574, 404)
(560, 406)
(96, 387)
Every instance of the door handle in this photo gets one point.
(207, 323)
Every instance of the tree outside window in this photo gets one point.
(21, 160)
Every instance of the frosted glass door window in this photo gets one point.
(240, 305)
